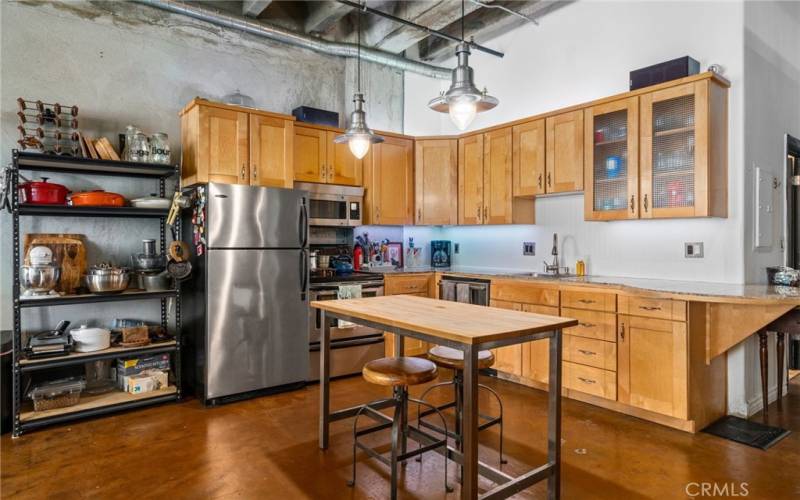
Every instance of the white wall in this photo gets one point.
(582, 52)
(772, 109)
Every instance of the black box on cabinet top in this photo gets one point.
(316, 116)
(664, 72)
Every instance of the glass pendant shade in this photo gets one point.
(463, 100)
(358, 135)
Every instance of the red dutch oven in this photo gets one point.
(43, 193)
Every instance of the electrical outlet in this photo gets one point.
(456, 247)
(693, 250)
(528, 248)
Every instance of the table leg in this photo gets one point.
(324, 382)
(779, 348)
(554, 418)
(764, 358)
(399, 351)
(469, 424)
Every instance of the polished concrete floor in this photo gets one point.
(267, 448)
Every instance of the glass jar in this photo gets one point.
(159, 149)
(130, 133)
(140, 149)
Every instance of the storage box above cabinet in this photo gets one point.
(318, 159)
(233, 145)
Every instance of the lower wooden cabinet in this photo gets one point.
(652, 365)
(418, 284)
(590, 380)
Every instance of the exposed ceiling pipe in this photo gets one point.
(297, 39)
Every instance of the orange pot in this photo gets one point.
(96, 199)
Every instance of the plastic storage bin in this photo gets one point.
(57, 394)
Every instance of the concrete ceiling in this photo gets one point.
(335, 21)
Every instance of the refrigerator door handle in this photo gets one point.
(303, 274)
(303, 224)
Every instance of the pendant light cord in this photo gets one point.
(462, 20)
(358, 36)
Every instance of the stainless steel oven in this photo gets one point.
(331, 205)
(351, 346)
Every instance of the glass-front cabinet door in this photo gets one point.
(612, 160)
(674, 142)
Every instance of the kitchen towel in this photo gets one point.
(448, 290)
(348, 292)
(462, 292)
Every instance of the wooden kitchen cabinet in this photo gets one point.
(271, 151)
(611, 186)
(536, 354)
(684, 151)
(485, 188)
(652, 365)
(436, 182)
(318, 159)
(389, 182)
(508, 359)
(470, 179)
(233, 145)
(418, 284)
(564, 152)
(528, 143)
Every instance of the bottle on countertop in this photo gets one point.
(358, 256)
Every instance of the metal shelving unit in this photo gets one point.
(115, 401)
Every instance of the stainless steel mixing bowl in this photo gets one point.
(39, 279)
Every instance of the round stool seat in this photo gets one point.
(448, 357)
(399, 371)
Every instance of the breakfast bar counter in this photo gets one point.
(468, 328)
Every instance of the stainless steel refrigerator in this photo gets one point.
(246, 304)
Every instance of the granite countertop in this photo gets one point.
(701, 291)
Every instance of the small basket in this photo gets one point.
(57, 394)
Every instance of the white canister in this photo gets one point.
(90, 339)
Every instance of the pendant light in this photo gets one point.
(463, 100)
(358, 135)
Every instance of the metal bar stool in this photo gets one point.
(448, 357)
(399, 373)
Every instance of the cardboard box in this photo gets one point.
(147, 381)
(134, 366)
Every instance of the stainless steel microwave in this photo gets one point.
(333, 205)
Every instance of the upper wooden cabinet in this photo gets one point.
(470, 180)
(228, 144)
(612, 160)
(389, 182)
(485, 190)
(684, 151)
(436, 182)
(318, 159)
(529, 158)
(564, 165)
(271, 151)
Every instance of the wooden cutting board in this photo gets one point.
(69, 252)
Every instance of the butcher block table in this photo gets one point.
(468, 328)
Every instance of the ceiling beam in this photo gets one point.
(485, 24)
(254, 8)
(323, 15)
(434, 15)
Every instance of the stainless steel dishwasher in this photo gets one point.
(467, 290)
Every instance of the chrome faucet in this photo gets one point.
(553, 268)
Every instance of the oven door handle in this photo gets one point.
(342, 344)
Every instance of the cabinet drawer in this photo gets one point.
(397, 285)
(593, 301)
(528, 293)
(674, 310)
(533, 308)
(590, 380)
(592, 324)
(590, 352)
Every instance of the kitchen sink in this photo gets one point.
(545, 275)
